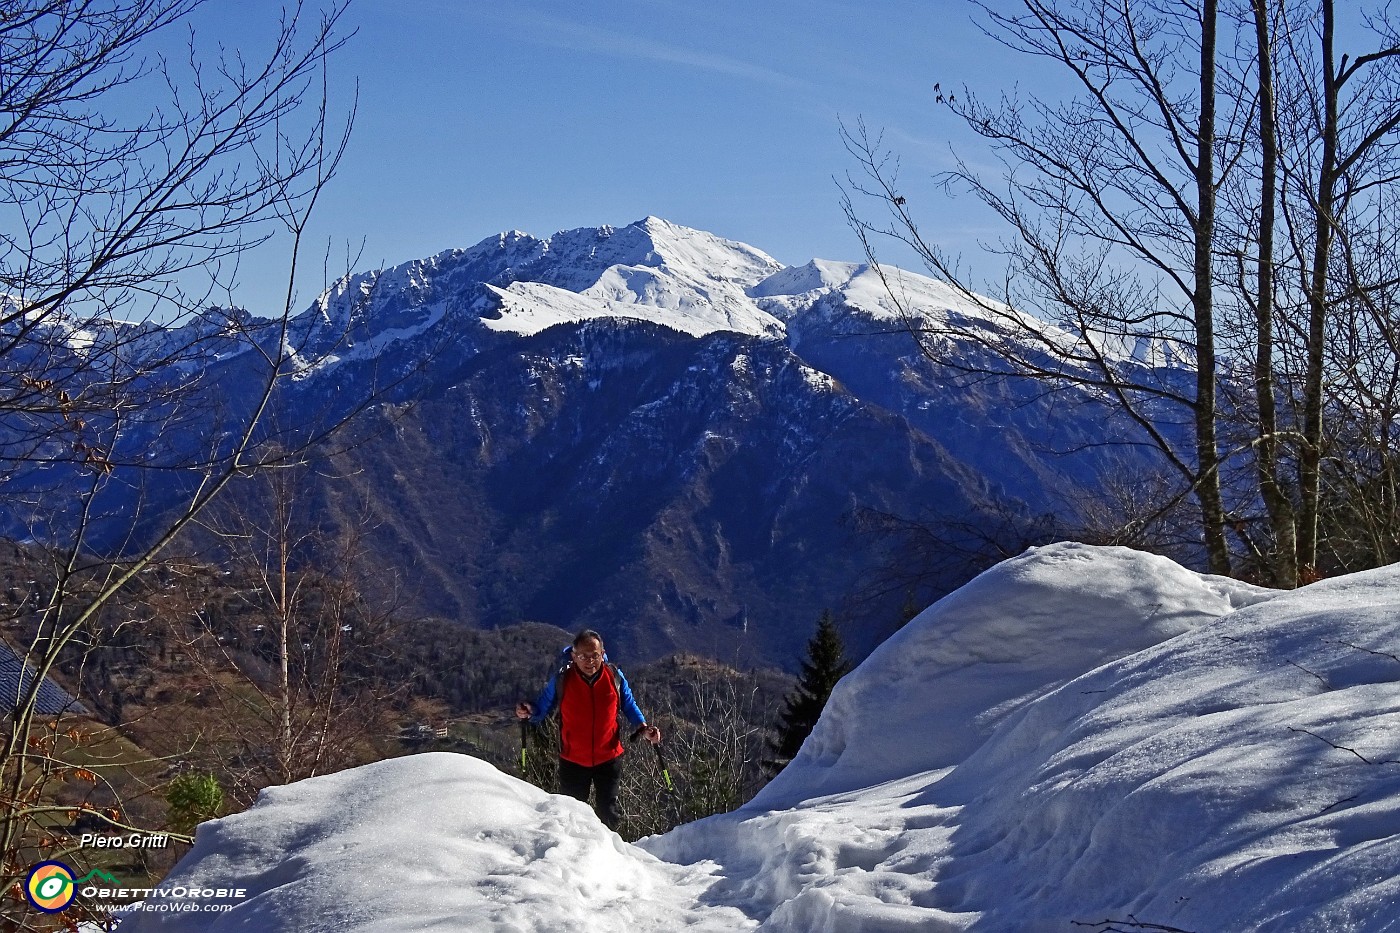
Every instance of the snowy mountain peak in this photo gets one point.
(825, 288)
(726, 259)
(817, 275)
(651, 270)
(582, 256)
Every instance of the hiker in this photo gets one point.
(590, 693)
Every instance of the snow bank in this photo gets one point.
(1087, 736)
(431, 841)
(1241, 775)
(1244, 776)
(932, 693)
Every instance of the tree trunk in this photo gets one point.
(1284, 569)
(1207, 447)
(1310, 455)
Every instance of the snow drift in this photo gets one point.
(1080, 736)
(430, 840)
(932, 693)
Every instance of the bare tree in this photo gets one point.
(109, 224)
(1341, 159)
(1273, 490)
(1200, 196)
(289, 668)
(1111, 204)
(716, 729)
(929, 555)
(1359, 516)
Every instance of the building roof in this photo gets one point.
(16, 676)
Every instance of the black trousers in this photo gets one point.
(575, 779)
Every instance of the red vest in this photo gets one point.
(588, 732)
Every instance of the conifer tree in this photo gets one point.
(909, 609)
(825, 664)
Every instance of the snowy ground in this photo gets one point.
(432, 841)
(1081, 738)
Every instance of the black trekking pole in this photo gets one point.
(665, 773)
(660, 760)
(524, 739)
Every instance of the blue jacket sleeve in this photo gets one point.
(544, 704)
(628, 702)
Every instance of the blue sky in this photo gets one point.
(477, 116)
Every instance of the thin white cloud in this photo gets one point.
(558, 32)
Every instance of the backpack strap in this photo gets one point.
(558, 681)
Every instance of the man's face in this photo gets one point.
(588, 655)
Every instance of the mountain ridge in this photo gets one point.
(647, 429)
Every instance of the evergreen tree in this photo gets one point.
(192, 799)
(909, 609)
(825, 664)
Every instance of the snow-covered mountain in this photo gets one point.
(1081, 738)
(649, 429)
(654, 271)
